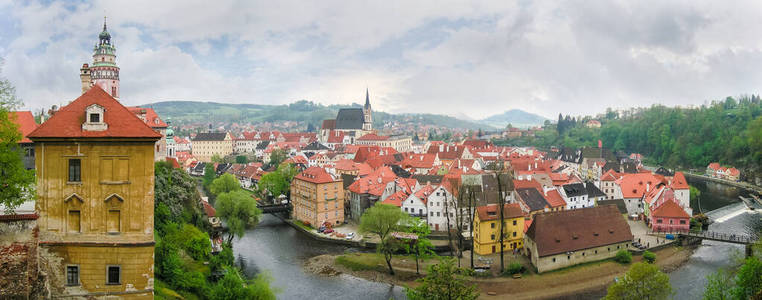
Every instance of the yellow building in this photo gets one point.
(317, 197)
(487, 228)
(95, 193)
(207, 144)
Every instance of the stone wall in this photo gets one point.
(19, 276)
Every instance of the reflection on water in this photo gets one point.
(276, 248)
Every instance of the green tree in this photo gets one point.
(16, 182)
(642, 281)
(749, 279)
(209, 174)
(444, 281)
(239, 211)
(649, 257)
(216, 158)
(241, 159)
(277, 157)
(277, 183)
(225, 184)
(719, 286)
(382, 220)
(233, 287)
(623, 256)
(421, 247)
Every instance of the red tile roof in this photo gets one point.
(670, 209)
(152, 119)
(554, 199)
(396, 199)
(592, 227)
(522, 184)
(490, 212)
(635, 185)
(679, 182)
(67, 122)
(25, 122)
(372, 137)
(315, 175)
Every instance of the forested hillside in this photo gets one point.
(727, 131)
(303, 111)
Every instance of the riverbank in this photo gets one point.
(593, 277)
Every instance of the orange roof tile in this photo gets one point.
(152, 119)
(67, 122)
(315, 175)
(25, 122)
(490, 212)
(670, 209)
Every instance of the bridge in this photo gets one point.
(274, 208)
(720, 237)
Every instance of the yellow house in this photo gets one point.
(95, 199)
(487, 228)
(207, 144)
(317, 197)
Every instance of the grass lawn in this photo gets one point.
(162, 291)
(375, 261)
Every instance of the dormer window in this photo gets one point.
(94, 118)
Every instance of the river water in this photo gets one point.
(276, 248)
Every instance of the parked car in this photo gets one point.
(350, 235)
(328, 231)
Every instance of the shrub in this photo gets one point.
(649, 257)
(623, 257)
(515, 268)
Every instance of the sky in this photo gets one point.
(469, 59)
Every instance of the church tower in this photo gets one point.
(103, 71)
(367, 124)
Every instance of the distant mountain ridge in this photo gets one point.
(515, 117)
(301, 111)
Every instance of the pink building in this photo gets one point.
(669, 217)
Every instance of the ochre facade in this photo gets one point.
(104, 219)
(317, 203)
(487, 235)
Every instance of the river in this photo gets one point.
(276, 248)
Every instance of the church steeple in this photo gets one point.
(367, 123)
(367, 99)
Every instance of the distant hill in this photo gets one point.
(515, 117)
(303, 112)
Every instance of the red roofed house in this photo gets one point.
(607, 183)
(149, 116)
(632, 187)
(96, 219)
(366, 191)
(26, 124)
(711, 169)
(487, 228)
(665, 213)
(560, 239)
(317, 197)
(732, 174)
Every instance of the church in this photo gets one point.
(351, 123)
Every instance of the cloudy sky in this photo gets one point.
(464, 58)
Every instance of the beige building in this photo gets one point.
(207, 144)
(560, 239)
(317, 197)
(398, 142)
(95, 199)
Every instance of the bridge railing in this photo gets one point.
(712, 235)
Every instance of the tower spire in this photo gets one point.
(104, 23)
(367, 98)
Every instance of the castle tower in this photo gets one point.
(85, 78)
(104, 71)
(367, 124)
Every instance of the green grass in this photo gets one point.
(359, 262)
(162, 291)
(302, 225)
(578, 266)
